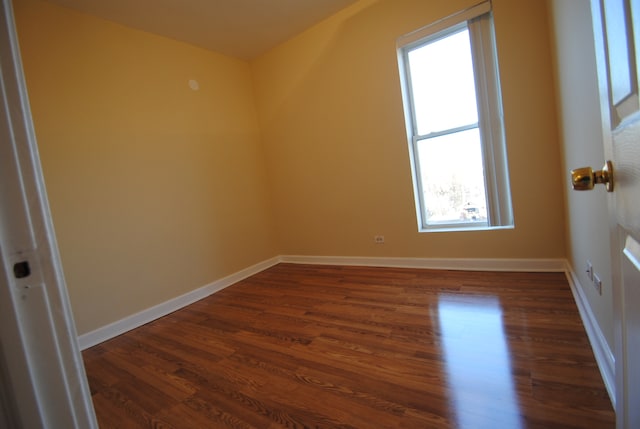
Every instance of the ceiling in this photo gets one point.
(239, 28)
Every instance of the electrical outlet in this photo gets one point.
(379, 239)
(597, 283)
(589, 270)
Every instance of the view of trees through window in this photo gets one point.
(453, 178)
(448, 139)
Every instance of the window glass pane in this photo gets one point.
(452, 177)
(443, 84)
(617, 41)
(449, 137)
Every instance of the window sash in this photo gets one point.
(421, 194)
(490, 118)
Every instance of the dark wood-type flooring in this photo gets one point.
(300, 346)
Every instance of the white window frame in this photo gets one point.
(479, 21)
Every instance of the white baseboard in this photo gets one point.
(604, 356)
(464, 264)
(136, 320)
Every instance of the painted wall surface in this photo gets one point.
(330, 109)
(155, 189)
(581, 133)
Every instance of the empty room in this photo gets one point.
(320, 214)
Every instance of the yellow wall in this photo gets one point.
(330, 111)
(581, 132)
(155, 189)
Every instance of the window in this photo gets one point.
(453, 111)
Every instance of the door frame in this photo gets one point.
(41, 369)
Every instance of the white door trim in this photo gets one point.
(44, 383)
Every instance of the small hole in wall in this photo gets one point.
(194, 85)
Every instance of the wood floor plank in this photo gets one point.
(299, 346)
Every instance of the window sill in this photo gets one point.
(464, 228)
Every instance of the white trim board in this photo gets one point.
(136, 320)
(145, 316)
(462, 264)
(603, 354)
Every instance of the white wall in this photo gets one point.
(581, 139)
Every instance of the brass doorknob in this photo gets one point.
(584, 179)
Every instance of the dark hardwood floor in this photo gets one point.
(300, 346)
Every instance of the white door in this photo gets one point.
(617, 41)
(42, 378)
